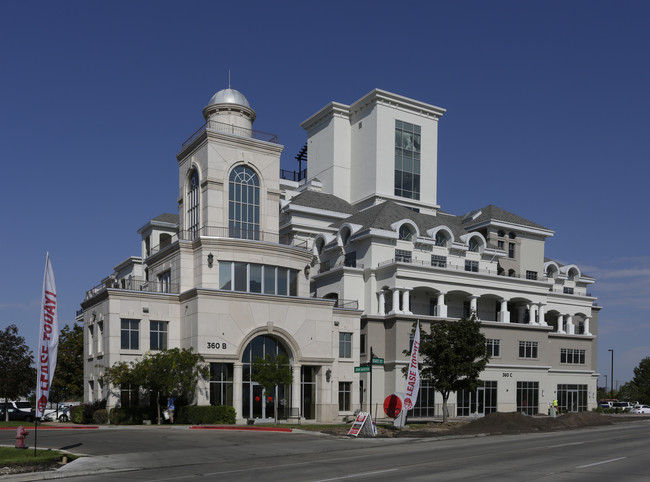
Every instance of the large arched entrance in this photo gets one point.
(256, 403)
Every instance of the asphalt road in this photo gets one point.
(618, 452)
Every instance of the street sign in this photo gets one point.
(377, 361)
(361, 369)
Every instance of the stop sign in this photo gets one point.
(393, 405)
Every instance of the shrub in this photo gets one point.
(100, 416)
(129, 415)
(77, 414)
(206, 414)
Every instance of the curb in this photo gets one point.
(240, 428)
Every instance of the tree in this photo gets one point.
(271, 372)
(68, 381)
(17, 375)
(164, 373)
(641, 380)
(453, 356)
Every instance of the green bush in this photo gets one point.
(130, 415)
(77, 414)
(205, 414)
(100, 416)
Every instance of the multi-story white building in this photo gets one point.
(344, 259)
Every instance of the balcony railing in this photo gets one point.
(347, 304)
(213, 125)
(133, 285)
(226, 232)
(326, 266)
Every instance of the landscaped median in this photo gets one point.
(15, 461)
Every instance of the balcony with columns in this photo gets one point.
(494, 309)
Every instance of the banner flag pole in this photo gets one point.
(48, 344)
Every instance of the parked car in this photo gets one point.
(641, 409)
(622, 406)
(16, 415)
(64, 415)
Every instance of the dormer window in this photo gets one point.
(501, 233)
(405, 233)
(512, 235)
(441, 239)
(474, 245)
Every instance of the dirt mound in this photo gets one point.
(513, 422)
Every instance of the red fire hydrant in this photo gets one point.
(21, 433)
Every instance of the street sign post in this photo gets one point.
(377, 361)
(361, 369)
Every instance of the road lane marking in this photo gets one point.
(600, 463)
(564, 445)
(363, 474)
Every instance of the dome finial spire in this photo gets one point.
(229, 78)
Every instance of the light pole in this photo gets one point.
(611, 376)
(605, 383)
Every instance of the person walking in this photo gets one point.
(170, 408)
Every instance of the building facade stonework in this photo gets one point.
(342, 261)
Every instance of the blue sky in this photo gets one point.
(547, 116)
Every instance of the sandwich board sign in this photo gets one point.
(363, 423)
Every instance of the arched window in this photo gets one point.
(441, 239)
(345, 236)
(193, 203)
(474, 244)
(405, 233)
(244, 204)
(501, 233)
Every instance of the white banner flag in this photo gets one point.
(48, 336)
(413, 378)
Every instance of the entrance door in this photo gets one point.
(257, 401)
(572, 400)
(480, 401)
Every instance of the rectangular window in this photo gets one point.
(528, 349)
(221, 383)
(345, 345)
(255, 282)
(128, 396)
(425, 406)
(568, 291)
(403, 256)
(351, 259)
(130, 334)
(225, 275)
(531, 274)
(471, 266)
(407, 160)
(269, 280)
(158, 335)
(501, 245)
(494, 347)
(511, 250)
(438, 261)
(572, 356)
(241, 277)
(482, 401)
(91, 341)
(100, 337)
(293, 282)
(282, 281)
(528, 397)
(362, 342)
(164, 281)
(345, 392)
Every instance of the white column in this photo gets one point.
(541, 314)
(441, 307)
(473, 305)
(570, 327)
(237, 380)
(560, 324)
(396, 293)
(587, 332)
(504, 314)
(533, 314)
(382, 303)
(406, 298)
(295, 392)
